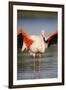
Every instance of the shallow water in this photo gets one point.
(39, 67)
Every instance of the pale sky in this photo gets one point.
(34, 22)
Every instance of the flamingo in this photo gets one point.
(35, 43)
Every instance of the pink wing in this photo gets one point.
(23, 37)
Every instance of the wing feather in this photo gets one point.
(52, 39)
(23, 37)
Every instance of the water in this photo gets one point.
(42, 67)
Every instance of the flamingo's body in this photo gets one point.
(38, 46)
(37, 43)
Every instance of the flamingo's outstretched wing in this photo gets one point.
(52, 39)
(23, 37)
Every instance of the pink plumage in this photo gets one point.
(27, 39)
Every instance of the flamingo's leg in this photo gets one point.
(39, 65)
(34, 61)
(34, 65)
(39, 55)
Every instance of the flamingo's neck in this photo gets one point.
(44, 38)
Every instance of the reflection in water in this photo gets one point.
(37, 68)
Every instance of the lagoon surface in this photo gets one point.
(42, 67)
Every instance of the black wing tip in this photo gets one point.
(19, 41)
(53, 40)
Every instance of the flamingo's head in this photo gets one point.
(43, 33)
